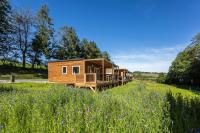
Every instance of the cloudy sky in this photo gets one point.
(144, 35)
(148, 59)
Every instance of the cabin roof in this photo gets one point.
(124, 69)
(82, 59)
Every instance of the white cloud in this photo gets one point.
(149, 60)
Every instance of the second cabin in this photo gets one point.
(92, 73)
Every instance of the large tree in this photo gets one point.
(89, 49)
(23, 22)
(106, 55)
(43, 42)
(69, 46)
(185, 69)
(5, 29)
(36, 51)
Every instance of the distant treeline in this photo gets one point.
(152, 76)
(32, 38)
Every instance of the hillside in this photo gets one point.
(8, 68)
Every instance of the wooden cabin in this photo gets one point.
(92, 73)
(124, 76)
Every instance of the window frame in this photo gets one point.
(62, 70)
(73, 70)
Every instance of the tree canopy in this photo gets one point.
(5, 28)
(185, 69)
(35, 39)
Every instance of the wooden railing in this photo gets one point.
(91, 77)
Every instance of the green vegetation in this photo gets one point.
(150, 76)
(135, 107)
(185, 69)
(32, 38)
(7, 68)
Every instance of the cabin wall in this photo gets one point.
(55, 71)
(122, 72)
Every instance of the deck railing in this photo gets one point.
(90, 77)
(94, 77)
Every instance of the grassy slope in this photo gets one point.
(161, 88)
(9, 68)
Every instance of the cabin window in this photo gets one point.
(64, 70)
(75, 69)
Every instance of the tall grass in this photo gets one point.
(184, 113)
(59, 109)
(134, 107)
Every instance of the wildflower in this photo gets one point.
(62, 122)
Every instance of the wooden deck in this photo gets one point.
(91, 80)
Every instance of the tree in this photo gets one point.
(106, 55)
(43, 40)
(5, 29)
(185, 69)
(45, 29)
(36, 51)
(196, 39)
(23, 22)
(161, 78)
(89, 50)
(69, 46)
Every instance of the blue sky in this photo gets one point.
(143, 35)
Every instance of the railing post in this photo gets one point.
(95, 77)
(85, 78)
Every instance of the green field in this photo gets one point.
(138, 106)
(148, 76)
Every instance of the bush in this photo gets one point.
(161, 78)
(184, 113)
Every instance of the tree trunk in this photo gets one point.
(23, 59)
(33, 63)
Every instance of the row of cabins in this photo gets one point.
(87, 73)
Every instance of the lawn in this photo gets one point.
(135, 107)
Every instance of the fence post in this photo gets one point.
(12, 78)
(95, 79)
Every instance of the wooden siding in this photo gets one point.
(96, 73)
(55, 71)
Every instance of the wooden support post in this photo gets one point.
(123, 77)
(84, 78)
(84, 72)
(113, 73)
(92, 89)
(103, 68)
(95, 77)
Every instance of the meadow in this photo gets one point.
(138, 106)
